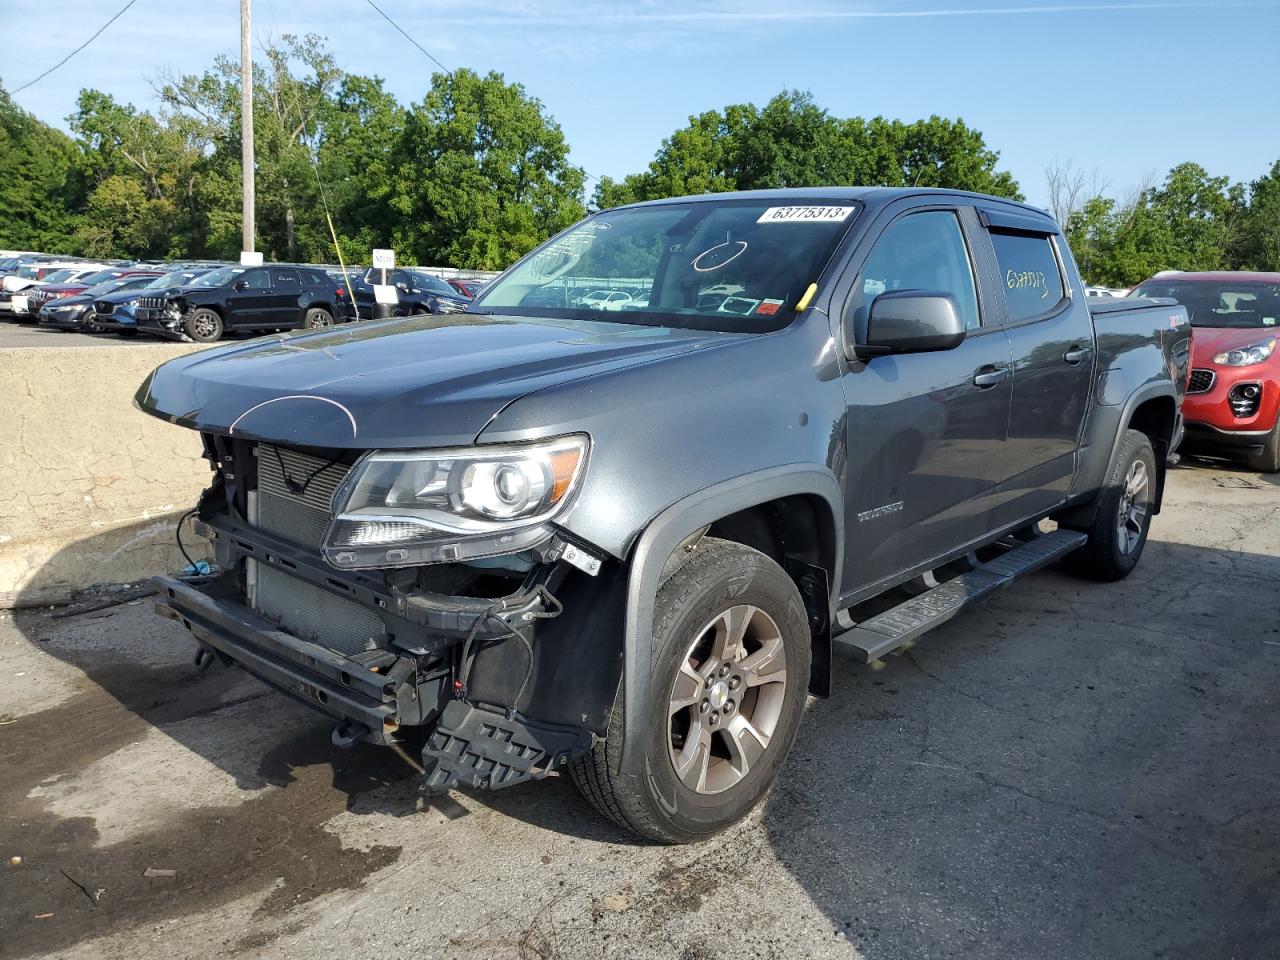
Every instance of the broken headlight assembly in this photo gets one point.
(405, 508)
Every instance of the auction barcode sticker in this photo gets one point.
(805, 215)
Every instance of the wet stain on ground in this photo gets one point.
(68, 889)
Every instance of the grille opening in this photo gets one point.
(1201, 381)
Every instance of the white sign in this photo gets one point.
(805, 215)
(384, 259)
(385, 293)
(250, 258)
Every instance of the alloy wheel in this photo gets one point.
(727, 699)
(1135, 505)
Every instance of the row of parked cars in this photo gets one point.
(205, 301)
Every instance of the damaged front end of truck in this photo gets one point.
(424, 600)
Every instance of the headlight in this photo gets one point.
(1246, 356)
(399, 509)
(130, 303)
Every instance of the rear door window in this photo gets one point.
(284, 279)
(1029, 274)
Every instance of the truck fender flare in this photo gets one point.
(1140, 396)
(1150, 391)
(668, 529)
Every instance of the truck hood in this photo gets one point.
(424, 381)
(1208, 342)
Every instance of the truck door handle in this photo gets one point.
(1076, 354)
(990, 376)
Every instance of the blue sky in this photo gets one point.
(1124, 88)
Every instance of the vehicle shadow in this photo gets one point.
(1067, 770)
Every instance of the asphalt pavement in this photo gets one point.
(1070, 770)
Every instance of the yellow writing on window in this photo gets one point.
(1027, 280)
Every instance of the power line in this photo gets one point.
(77, 49)
(426, 53)
(402, 33)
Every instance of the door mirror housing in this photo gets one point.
(240, 285)
(913, 321)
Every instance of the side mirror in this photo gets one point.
(240, 285)
(913, 321)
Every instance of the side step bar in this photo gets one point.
(886, 632)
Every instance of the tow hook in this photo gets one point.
(203, 659)
(348, 733)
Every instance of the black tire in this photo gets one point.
(647, 797)
(318, 318)
(1267, 460)
(1109, 555)
(203, 325)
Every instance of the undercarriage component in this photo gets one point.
(477, 747)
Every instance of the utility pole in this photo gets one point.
(246, 125)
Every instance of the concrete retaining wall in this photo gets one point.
(90, 488)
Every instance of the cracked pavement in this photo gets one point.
(1069, 770)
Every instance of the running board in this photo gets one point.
(886, 632)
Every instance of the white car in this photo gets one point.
(605, 300)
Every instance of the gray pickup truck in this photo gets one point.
(611, 520)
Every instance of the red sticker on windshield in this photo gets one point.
(769, 307)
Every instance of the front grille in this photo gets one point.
(1201, 381)
(104, 308)
(1244, 399)
(155, 303)
(294, 497)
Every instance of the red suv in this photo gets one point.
(1233, 397)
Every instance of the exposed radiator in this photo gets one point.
(301, 516)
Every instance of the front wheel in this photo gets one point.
(1122, 521)
(729, 684)
(203, 325)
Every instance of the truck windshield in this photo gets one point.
(1221, 304)
(732, 265)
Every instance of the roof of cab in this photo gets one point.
(868, 195)
(1217, 276)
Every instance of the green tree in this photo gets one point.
(38, 185)
(792, 142)
(1261, 227)
(481, 174)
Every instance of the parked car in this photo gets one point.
(38, 296)
(118, 312)
(1233, 399)
(416, 291)
(278, 296)
(621, 545)
(76, 311)
(16, 287)
(468, 288)
(605, 300)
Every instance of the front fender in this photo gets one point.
(672, 526)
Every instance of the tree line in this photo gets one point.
(477, 173)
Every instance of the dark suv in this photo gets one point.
(416, 292)
(273, 297)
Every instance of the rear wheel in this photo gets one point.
(1267, 460)
(729, 684)
(1122, 521)
(318, 318)
(203, 325)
